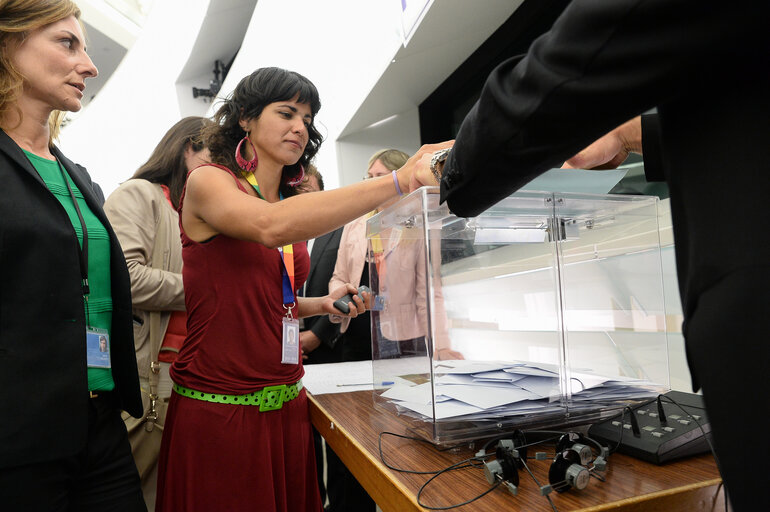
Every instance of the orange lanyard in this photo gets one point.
(286, 252)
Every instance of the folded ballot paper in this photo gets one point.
(477, 390)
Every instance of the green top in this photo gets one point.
(98, 304)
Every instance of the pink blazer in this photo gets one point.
(405, 313)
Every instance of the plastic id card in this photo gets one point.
(98, 348)
(290, 342)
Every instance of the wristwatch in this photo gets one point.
(438, 158)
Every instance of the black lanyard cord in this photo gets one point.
(83, 252)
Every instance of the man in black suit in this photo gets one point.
(706, 67)
(318, 338)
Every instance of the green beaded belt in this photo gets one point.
(268, 398)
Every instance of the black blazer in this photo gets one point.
(323, 257)
(43, 377)
(704, 65)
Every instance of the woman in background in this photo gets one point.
(143, 213)
(63, 444)
(401, 323)
(238, 433)
(402, 332)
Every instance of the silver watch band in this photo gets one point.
(438, 157)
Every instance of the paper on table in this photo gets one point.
(498, 375)
(461, 366)
(506, 384)
(532, 371)
(448, 409)
(583, 381)
(338, 377)
(486, 397)
(454, 378)
(420, 394)
(487, 390)
(544, 387)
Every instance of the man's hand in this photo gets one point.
(611, 150)
(309, 342)
(416, 171)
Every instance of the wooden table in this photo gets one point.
(351, 425)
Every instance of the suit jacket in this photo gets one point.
(322, 259)
(705, 66)
(405, 312)
(43, 377)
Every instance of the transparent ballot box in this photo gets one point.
(546, 310)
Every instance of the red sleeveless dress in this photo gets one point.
(234, 457)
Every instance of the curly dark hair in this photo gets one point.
(252, 94)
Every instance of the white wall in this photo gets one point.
(400, 131)
(119, 129)
(341, 46)
(351, 49)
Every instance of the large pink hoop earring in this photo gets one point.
(295, 182)
(246, 165)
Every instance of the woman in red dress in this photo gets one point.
(237, 434)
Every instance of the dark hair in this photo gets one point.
(252, 94)
(166, 165)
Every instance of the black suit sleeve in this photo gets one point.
(652, 149)
(326, 331)
(601, 64)
(322, 261)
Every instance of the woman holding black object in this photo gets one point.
(65, 286)
(402, 330)
(237, 433)
(352, 267)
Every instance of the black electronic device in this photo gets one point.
(660, 438)
(342, 302)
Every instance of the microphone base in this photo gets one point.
(680, 436)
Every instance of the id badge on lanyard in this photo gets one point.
(290, 326)
(97, 348)
(290, 347)
(290, 342)
(97, 340)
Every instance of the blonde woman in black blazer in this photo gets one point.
(63, 445)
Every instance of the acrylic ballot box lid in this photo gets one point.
(546, 310)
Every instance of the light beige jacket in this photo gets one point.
(405, 313)
(140, 214)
